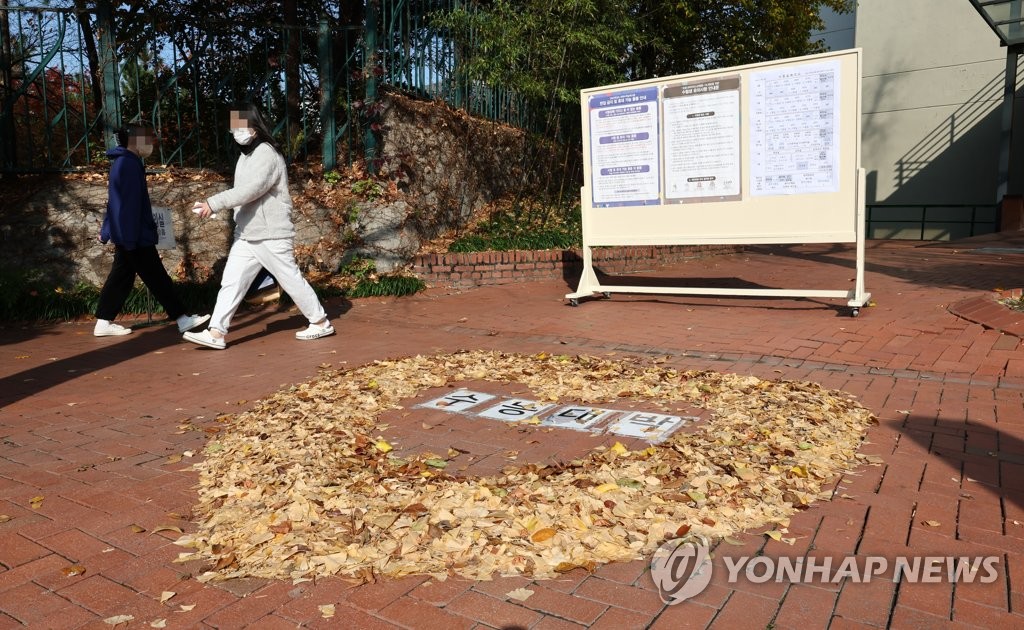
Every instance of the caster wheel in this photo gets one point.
(574, 302)
(607, 294)
(855, 312)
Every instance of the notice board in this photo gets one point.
(755, 154)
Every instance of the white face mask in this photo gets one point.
(244, 135)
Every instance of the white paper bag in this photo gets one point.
(164, 227)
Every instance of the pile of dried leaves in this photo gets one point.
(303, 485)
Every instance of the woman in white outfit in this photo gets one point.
(264, 233)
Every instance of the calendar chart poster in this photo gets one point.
(702, 141)
(794, 136)
(624, 148)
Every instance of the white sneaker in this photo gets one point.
(205, 338)
(188, 322)
(315, 331)
(106, 328)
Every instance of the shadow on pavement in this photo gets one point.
(924, 266)
(983, 454)
(12, 333)
(109, 351)
(732, 282)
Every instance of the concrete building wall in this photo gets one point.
(931, 95)
(840, 30)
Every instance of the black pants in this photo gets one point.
(144, 262)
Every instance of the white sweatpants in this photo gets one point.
(244, 262)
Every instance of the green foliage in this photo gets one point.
(1014, 304)
(359, 268)
(548, 50)
(332, 177)
(368, 189)
(368, 283)
(538, 227)
(386, 285)
(25, 296)
(544, 50)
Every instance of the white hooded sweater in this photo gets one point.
(260, 197)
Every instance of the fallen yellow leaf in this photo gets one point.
(519, 594)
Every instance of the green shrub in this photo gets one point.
(386, 285)
(1014, 304)
(538, 227)
(27, 297)
(367, 283)
(368, 189)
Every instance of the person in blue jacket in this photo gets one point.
(129, 225)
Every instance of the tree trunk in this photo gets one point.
(89, 38)
(291, 70)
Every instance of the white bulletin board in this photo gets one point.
(766, 153)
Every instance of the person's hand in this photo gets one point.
(203, 209)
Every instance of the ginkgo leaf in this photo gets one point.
(519, 594)
(297, 486)
(326, 610)
(543, 534)
(118, 619)
(166, 528)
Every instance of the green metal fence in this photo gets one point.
(66, 82)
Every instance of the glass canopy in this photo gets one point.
(1004, 17)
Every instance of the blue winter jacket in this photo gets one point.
(129, 219)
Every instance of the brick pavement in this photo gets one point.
(105, 432)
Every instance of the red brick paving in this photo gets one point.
(99, 427)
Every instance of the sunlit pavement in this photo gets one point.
(98, 437)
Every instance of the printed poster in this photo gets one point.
(702, 141)
(624, 148)
(794, 119)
